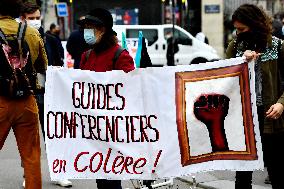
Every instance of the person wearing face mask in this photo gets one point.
(254, 40)
(30, 13)
(99, 35)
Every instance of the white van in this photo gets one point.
(191, 50)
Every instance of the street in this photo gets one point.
(216, 87)
(11, 174)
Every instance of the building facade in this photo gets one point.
(149, 11)
(192, 15)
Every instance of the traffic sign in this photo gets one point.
(62, 10)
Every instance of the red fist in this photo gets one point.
(211, 109)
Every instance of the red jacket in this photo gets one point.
(104, 61)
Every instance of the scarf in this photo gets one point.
(270, 53)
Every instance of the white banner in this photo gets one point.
(151, 123)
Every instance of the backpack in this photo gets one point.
(116, 55)
(17, 75)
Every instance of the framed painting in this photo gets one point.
(215, 104)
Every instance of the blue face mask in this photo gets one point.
(89, 36)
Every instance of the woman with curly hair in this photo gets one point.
(255, 41)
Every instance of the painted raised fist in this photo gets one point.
(211, 109)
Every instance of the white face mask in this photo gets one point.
(34, 23)
(89, 36)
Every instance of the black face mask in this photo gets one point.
(248, 41)
(252, 41)
(246, 37)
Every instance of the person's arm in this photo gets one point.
(276, 110)
(70, 45)
(248, 54)
(41, 61)
(281, 70)
(60, 49)
(230, 50)
(124, 62)
(57, 57)
(83, 61)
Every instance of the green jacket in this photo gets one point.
(272, 67)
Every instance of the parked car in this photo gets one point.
(191, 50)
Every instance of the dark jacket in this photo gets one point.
(170, 48)
(52, 49)
(76, 45)
(272, 92)
(55, 46)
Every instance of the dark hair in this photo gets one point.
(256, 19)
(52, 26)
(107, 41)
(29, 8)
(10, 8)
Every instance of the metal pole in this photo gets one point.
(173, 31)
(163, 12)
(72, 17)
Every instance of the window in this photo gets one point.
(181, 37)
(150, 34)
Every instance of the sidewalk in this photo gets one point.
(225, 180)
(11, 174)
